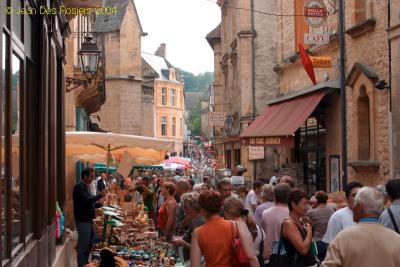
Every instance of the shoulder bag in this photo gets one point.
(240, 258)
(396, 228)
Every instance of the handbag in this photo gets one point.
(282, 260)
(261, 249)
(240, 258)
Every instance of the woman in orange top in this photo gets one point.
(214, 239)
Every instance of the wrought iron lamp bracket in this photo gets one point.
(73, 83)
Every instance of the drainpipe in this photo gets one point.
(342, 48)
(253, 84)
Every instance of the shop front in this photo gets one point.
(32, 133)
(303, 128)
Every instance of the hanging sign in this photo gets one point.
(307, 63)
(315, 13)
(316, 38)
(216, 119)
(321, 62)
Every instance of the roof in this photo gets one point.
(328, 85)
(113, 22)
(214, 34)
(160, 65)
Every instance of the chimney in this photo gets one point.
(161, 50)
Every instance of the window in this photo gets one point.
(228, 159)
(181, 126)
(163, 96)
(237, 157)
(164, 126)
(173, 126)
(360, 12)
(173, 97)
(3, 189)
(364, 139)
(15, 156)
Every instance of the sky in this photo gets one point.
(182, 25)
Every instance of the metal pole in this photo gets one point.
(342, 67)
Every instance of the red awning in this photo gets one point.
(284, 118)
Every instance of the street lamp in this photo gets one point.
(89, 55)
(228, 124)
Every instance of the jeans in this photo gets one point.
(85, 237)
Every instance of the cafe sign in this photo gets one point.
(315, 13)
(316, 38)
(268, 141)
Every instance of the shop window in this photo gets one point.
(163, 96)
(301, 26)
(237, 157)
(228, 159)
(173, 126)
(172, 98)
(3, 230)
(16, 185)
(364, 141)
(164, 126)
(360, 11)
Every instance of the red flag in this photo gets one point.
(307, 64)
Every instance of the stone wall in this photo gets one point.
(369, 48)
(395, 84)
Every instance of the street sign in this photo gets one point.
(315, 13)
(316, 38)
(216, 119)
(321, 62)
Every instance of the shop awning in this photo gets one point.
(281, 120)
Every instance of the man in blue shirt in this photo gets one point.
(84, 212)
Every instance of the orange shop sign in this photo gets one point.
(321, 62)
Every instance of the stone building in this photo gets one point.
(34, 55)
(394, 83)
(244, 56)
(306, 117)
(168, 97)
(126, 97)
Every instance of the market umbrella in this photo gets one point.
(177, 160)
(144, 150)
(172, 166)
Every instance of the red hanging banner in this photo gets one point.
(307, 63)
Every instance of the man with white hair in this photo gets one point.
(367, 243)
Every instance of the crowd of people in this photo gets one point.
(271, 225)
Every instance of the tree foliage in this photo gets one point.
(196, 83)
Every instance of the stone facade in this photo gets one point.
(394, 37)
(366, 63)
(169, 97)
(244, 56)
(126, 98)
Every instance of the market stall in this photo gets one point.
(125, 228)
